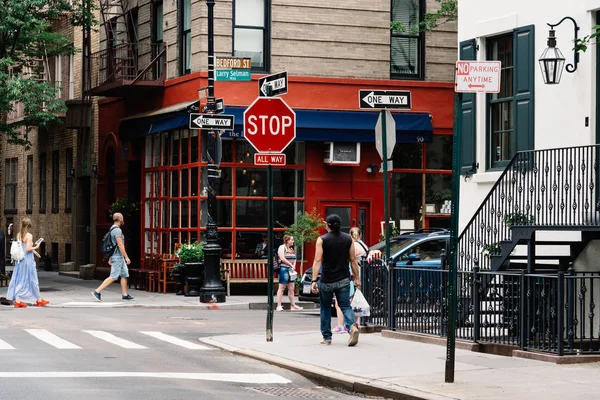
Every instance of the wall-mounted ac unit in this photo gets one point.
(342, 153)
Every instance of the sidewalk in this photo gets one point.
(401, 369)
(63, 292)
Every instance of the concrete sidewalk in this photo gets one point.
(402, 369)
(64, 291)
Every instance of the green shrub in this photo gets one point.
(192, 252)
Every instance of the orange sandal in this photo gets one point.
(19, 304)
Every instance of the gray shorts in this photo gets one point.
(118, 267)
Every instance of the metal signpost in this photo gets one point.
(470, 77)
(385, 140)
(269, 126)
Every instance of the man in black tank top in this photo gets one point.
(333, 252)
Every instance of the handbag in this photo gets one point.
(293, 275)
(276, 265)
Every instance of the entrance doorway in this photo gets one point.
(351, 213)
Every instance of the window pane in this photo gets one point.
(148, 151)
(407, 12)
(246, 244)
(244, 152)
(224, 183)
(250, 12)
(174, 214)
(185, 216)
(226, 149)
(165, 148)
(175, 148)
(249, 43)
(158, 20)
(286, 211)
(405, 197)
(194, 181)
(294, 154)
(253, 182)
(251, 213)
(187, 14)
(184, 183)
(193, 213)
(223, 216)
(439, 152)
(438, 189)
(174, 183)
(408, 155)
(194, 147)
(405, 55)
(225, 242)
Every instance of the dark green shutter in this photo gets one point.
(468, 163)
(524, 75)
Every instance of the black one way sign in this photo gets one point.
(211, 121)
(396, 99)
(277, 82)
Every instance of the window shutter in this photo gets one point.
(468, 164)
(524, 87)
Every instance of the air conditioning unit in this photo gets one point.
(342, 153)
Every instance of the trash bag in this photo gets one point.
(359, 305)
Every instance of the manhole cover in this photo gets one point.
(291, 392)
(50, 289)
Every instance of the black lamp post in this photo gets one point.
(552, 60)
(212, 290)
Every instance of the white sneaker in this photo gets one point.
(354, 333)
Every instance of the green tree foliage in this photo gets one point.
(26, 37)
(581, 44)
(448, 11)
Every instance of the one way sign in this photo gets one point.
(277, 82)
(211, 121)
(396, 99)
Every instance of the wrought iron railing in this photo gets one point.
(130, 63)
(548, 313)
(538, 188)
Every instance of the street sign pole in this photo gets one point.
(386, 213)
(452, 312)
(212, 290)
(270, 226)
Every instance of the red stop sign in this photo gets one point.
(269, 124)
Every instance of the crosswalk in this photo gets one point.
(150, 339)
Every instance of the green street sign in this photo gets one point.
(232, 75)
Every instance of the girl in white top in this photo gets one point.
(287, 264)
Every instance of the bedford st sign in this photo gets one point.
(478, 76)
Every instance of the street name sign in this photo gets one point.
(211, 121)
(219, 106)
(390, 137)
(277, 82)
(269, 124)
(381, 99)
(269, 159)
(478, 76)
(232, 69)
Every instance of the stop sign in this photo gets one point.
(269, 124)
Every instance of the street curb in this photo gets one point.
(232, 307)
(330, 378)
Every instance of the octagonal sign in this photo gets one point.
(269, 125)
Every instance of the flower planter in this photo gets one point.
(194, 272)
(179, 277)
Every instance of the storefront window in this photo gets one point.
(176, 196)
(408, 156)
(439, 152)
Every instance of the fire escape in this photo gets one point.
(125, 65)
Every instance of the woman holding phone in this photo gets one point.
(24, 282)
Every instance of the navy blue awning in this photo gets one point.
(311, 125)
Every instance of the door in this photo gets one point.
(351, 213)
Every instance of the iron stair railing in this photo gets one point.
(539, 189)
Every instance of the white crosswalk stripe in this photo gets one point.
(175, 341)
(5, 346)
(109, 337)
(51, 339)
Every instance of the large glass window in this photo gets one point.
(501, 111)
(29, 206)
(11, 166)
(185, 37)
(250, 32)
(43, 174)
(176, 193)
(407, 47)
(55, 175)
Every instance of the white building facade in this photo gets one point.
(527, 114)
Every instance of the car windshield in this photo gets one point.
(396, 245)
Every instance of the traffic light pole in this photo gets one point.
(212, 290)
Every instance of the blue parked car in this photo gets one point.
(420, 249)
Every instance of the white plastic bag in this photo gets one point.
(359, 305)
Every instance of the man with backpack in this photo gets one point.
(113, 248)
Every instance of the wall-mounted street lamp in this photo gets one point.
(372, 168)
(552, 60)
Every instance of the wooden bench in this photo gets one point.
(244, 271)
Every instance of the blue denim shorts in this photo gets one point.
(284, 275)
(118, 267)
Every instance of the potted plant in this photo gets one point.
(192, 256)
(178, 273)
(440, 196)
(305, 229)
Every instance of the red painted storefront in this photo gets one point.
(325, 185)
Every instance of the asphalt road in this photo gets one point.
(74, 353)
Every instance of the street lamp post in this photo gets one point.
(212, 290)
